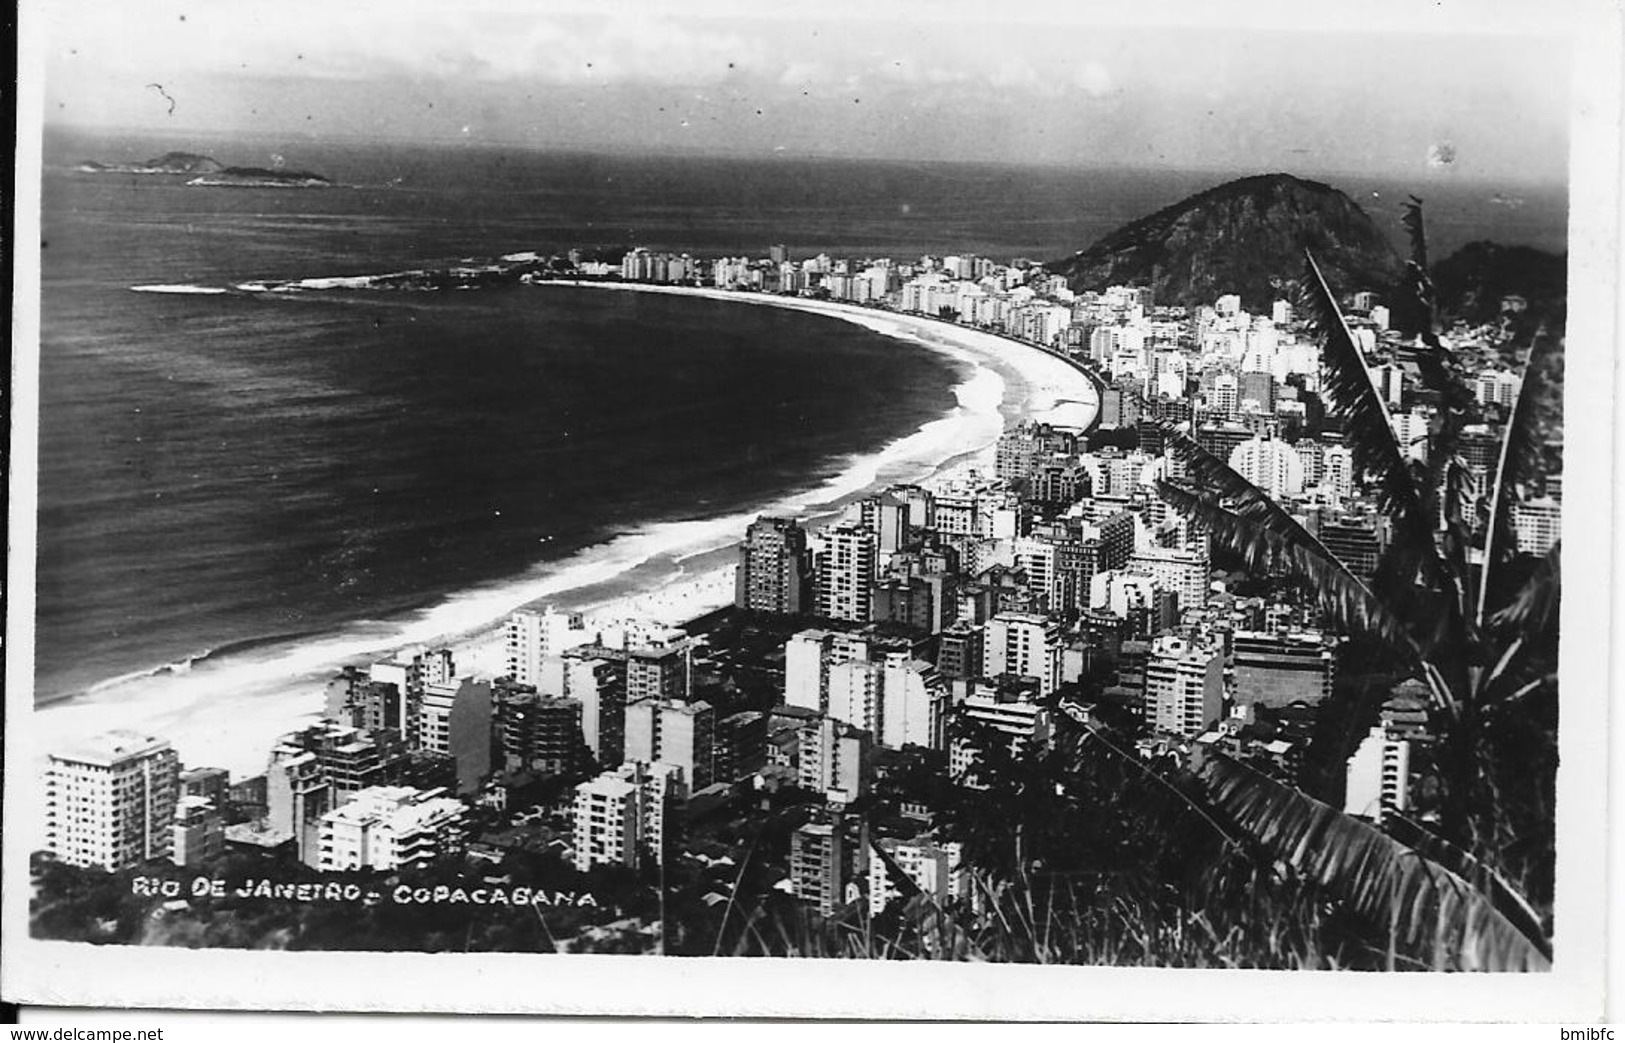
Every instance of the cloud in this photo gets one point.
(911, 72)
(806, 74)
(1014, 73)
(1094, 79)
(349, 41)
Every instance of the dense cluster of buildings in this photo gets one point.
(955, 618)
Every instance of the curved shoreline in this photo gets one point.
(844, 310)
(227, 714)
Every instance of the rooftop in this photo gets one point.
(111, 748)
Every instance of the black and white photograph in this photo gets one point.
(732, 508)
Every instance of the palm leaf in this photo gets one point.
(1274, 540)
(1414, 309)
(1368, 428)
(1261, 531)
(1518, 452)
(1434, 915)
(1534, 609)
(1506, 899)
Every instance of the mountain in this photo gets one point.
(168, 163)
(1244, 237)
(1475, 282)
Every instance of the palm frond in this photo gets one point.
(1533, 610)
(1506, 899)
(1433, 913)
(1413, 310)
(1518, 452)
(1416, 234)
(1368, 428)
(1271, 541)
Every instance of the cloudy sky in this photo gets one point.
(1397, 86)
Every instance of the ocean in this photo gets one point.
(225, 477)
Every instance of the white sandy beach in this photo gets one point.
(226, 714)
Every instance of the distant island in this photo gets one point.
(206, 171)
(261, 177)
(168, 163)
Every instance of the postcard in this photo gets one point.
(918, 511)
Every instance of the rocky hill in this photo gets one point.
(168, 163)
(1244, 237)
(1483, 281)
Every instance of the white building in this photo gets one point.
(937, 869)
(1272, 465)
(620, 810)
(1183, 571)
(1025, 645)
(534, 636)
(833, 759)
(110, 800)
(668, 732)
(1497, 387)
(845, 566)
(1184, 685)
(1337, 471)
(387, 828)
(913, 704)
(1378, 776)
(1411, 433)
(1538, 523)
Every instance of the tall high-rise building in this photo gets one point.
(1184, 685)
(660, 670)
(412, 671)
(598, 683)
(540, 733)
(1272, 465)
(898, 700)
(913, 704)
(625, 811)
(1023, 644)
(110, 800)
(887, 516)
(531, 637)
(846, 569)
(821, 861)
(607, 822)
(775, 568)
(741, 746)
(680, 734)
(833, 759)
(811, 656)
(1378, 778)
